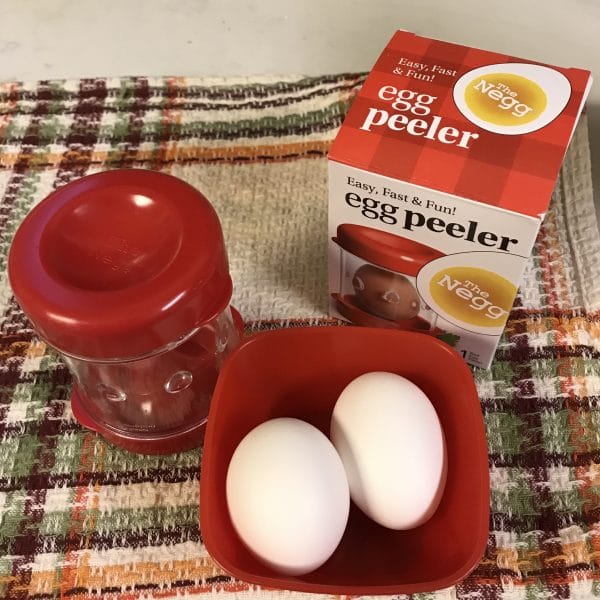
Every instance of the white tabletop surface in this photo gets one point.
(42, 39)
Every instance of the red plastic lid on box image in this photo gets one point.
(384, 249)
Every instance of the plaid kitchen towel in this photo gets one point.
(80, 518)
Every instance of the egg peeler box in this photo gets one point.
(439, 179)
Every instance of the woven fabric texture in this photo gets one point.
(80, 518)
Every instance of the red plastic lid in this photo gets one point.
(120, 263)
(385, 249)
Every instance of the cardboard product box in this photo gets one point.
(439, 179)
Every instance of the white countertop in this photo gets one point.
(42, 39)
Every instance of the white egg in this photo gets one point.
(287, 495)
(391, 442)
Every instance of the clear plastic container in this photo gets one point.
(384, 293)
(162, 393)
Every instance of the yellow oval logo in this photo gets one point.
(505, 99)
(472, 295)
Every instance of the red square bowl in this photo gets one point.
(300, 373)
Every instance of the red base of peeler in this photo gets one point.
(348, 308)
